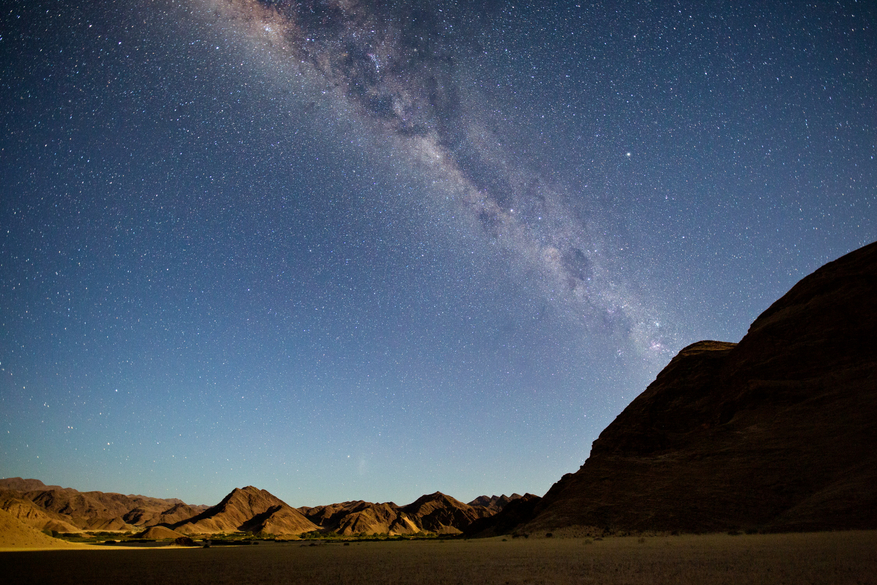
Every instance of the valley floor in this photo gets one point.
(829, 557)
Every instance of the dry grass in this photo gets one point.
(839, 557)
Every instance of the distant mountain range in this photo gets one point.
(774, 433)
(68, 510)
(247, 509)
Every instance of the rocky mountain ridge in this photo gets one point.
(69, 510)
(248, 509)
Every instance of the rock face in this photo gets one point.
(775, 433)
(247, 509)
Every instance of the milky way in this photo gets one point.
(369, 250)
(396, 66)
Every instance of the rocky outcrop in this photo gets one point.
(774, 433)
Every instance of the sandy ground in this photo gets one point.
(839, 557)
(17, 536)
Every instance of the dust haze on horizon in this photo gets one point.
(356, 250)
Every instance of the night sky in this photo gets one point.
(343, 250)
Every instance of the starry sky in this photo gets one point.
(370, 250)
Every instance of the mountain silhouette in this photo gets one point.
(774, 433)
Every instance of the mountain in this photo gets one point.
(443, 514)
(95, 510)
(33, 515)
(247, 509)
(243, 510)
(493, 503)
(155, 516)
(69, 510)
(25, 485)
(385, 518)
(775, 433)
(516, 512)
(436, 513)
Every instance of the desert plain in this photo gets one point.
(823, 557)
